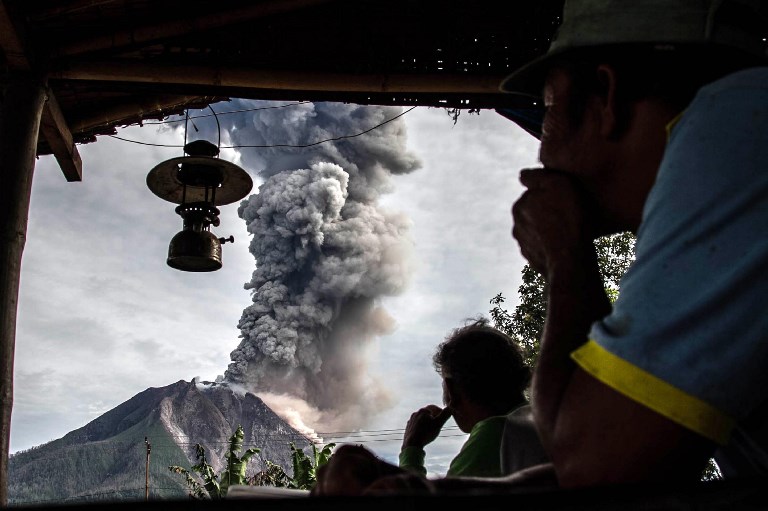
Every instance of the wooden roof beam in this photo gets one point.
(247, 78)
(131, 110)
(55, 130)
(181, 27)
(52, 124)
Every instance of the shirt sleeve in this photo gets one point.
(687, 335)
(412, 458)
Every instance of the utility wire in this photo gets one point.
(267, 146)
(172, 121)
(332, 433)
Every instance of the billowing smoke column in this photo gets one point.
(325, 252)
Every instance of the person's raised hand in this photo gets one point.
(424, 426)
(552, 223)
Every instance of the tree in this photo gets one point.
(304, 469)
(216, 486)
(614, 255)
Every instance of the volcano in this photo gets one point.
(107, 458)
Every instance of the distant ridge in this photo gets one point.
(106, 458)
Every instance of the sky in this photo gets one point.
(102, 317)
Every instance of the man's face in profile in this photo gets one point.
(570, 143)
(564, 141)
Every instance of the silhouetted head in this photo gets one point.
(485, 365)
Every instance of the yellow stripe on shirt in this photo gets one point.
(671, 124)
(654, 393)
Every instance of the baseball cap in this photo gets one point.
(664, 24)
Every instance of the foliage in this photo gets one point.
(215, 486)
(71, 470)
(196, 490)
(527, 322)
(454, 113)
(614, 255)
(711, 471)
(235, 472)
(304, 469)
(272, 475)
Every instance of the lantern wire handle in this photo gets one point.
(218, 125)
(186, 123)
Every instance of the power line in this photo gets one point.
(171, 121)
(332, 433)
(267, 146)
(394, 439)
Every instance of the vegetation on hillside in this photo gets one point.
(67, 471)
(209, 485)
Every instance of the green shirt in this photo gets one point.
(479, 456)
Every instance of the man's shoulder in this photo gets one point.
(724, 102)
(498, 423)
(749, 78)
(494, 423)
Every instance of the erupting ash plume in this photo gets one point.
(325, 252)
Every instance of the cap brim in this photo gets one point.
(528, 118)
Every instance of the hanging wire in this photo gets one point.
(227, 112)
(186, 121)
(266, 146)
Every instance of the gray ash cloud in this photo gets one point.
(325, 253)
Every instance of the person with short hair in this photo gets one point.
(484, 379)
(484, 382)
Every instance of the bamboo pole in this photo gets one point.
(21, 105)
(220, 76)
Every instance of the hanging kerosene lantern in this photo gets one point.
(198, 182)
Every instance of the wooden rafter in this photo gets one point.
(54, 128)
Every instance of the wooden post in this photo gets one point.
(21, 103)
(146, 472)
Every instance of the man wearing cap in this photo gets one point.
(656, 122)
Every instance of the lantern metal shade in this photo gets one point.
(164, 181)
